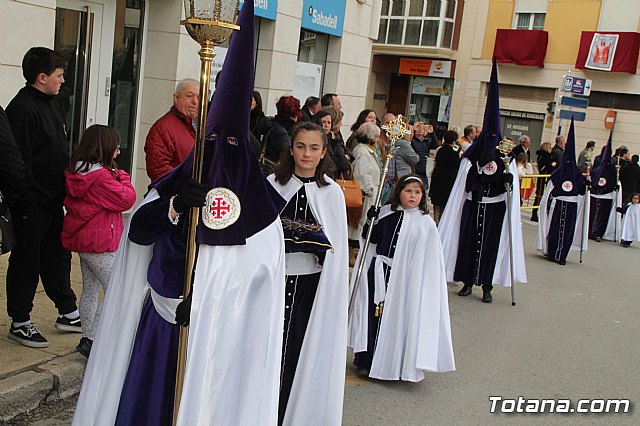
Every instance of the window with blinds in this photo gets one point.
(619, 15)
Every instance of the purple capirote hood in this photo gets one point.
(229, 161)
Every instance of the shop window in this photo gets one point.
(311, 65)
(417, 22)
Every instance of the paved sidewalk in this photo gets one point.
(30, 376)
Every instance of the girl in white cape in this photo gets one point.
(400, 322)
(315, 322)
(631, 221)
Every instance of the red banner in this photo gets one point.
(521, 47)
(609, 51)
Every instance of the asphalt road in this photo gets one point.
(573, 335)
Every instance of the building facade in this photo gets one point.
(125, 57)
(539, 43)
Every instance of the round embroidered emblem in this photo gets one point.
(602, 182)
(490, 168)
(567, 186)
(222, 209)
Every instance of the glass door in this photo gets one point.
(78, 39)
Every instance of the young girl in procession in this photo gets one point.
(315, 324)
(97, 194)
(631, 221)
(400, 324)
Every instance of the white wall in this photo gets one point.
(24, 24)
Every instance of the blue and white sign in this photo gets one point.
(577, 85)
(264, 8)
(324, 16)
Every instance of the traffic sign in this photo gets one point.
(610, 119)
(577, 85)
(574, 102)
(577, 115)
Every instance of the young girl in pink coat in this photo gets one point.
(97, 194)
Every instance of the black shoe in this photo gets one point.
(362, 372)
(562, 262)
(28, 335)
(466, 290)
(65, 324)
(84, 347)
(486, 296)
(599, 239)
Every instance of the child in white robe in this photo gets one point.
(631, 221)
(400, 324)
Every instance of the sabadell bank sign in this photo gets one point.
(264, 8)
(324, 16)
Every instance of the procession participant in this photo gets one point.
(474, 226)
(631, 221)
(561, 225)
(474, 229)
(400, 326)
(605, 198)
(237, 298)
(315, 320)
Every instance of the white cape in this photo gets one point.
(415, 332)
(235, 344)
(449, 228)
(544, 222)
(631, 223)
(318, 386)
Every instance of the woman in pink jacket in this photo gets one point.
(97, 194)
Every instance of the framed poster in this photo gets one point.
(602, 51)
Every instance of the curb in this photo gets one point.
(42, 383)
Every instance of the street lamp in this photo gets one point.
(210, 23)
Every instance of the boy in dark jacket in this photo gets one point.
(38, 126)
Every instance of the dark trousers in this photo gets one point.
(39, 255)
(300, 293)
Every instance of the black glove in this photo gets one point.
(192, 194)
(620, 210)
(508, 178)
(587, 183)
(617, 187)
(373, 212)
(183, 312)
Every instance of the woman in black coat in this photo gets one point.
(546, 166)
(444, 173)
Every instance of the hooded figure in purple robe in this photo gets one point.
(605, 197)
(236, 304)
(474, 227)
(560, 226)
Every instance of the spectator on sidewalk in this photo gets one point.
(311, 107)
(585, 157)
(97, 194)
(13, 184)
(523, 147)
(468, 137)
(444, 173)
(557, 152)
(424, 140)
(38, 126)
(629, 176)
(331, 100)
(173, 136)
(365, 116)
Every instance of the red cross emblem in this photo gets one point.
(219, 208)
(489, 167)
